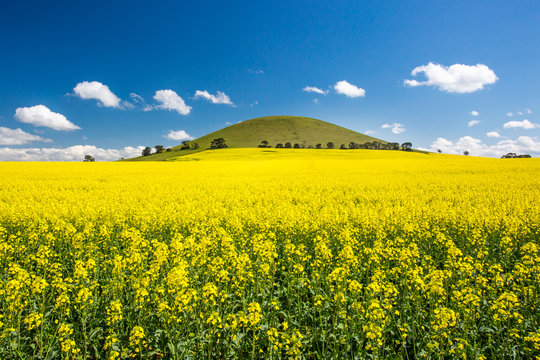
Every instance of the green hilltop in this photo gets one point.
(274, 129)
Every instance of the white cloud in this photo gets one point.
(528, 111)
(137, 98)
(473, 122)
(315, 89)
(397, 128)
(220, 98)
(474, 113)
(349, 90)
(316, 101)
(525, 124)
(369, 132)
(457, 78)
(72, 153)
(522, 145)
(40, 115)
(520, 113)
(178, 135)
(493, 134)
(509, 114)
(254, 104)
(18, 137)
(98, 91)
(256, 71)
(171, 101)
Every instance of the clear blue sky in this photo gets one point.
(261, 55)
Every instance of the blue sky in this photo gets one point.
(260, 56)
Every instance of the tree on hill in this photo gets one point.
(194, 146)
(146, 151)
(466, 152)
(279, 146)
(318, 146)
(264, 144)
(159, 149)
(296, 146)
(343, 147)
(89, 158)
(288, 145)
(218, 143)
(393, 146)
(185, 145)
(329, 145)
(406, 146)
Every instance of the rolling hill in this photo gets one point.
(275, 129)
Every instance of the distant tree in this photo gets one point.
(279, 146)
(439, 151)
(342, 146)
(159, 149)
(296, 146)
(168, 150)
(466, 152)
(406, 146)
(353, 145)
(309, 146)
(288, 145)
(264, 144)
(89, 158)
(218, 143)
(393, 146)
(185, 145)
(330, 145)
(194, 146)
(318, 146)
(147, 151)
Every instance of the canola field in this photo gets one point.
(272, 254)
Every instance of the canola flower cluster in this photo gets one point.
(297, 254)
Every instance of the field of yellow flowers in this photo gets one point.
(251, 253)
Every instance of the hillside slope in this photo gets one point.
(274, 129)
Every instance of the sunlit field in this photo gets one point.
(251, 253)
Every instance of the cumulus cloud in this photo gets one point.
(98, 91)
(72, 153)
(522, 145)
(457, 78)
(349, 90)
(525, 124)
(315, 89)
(397, 128)
(178, 135)
(473, 122)
(169, 100)
(316, 101)
(220, 98)
(40, 115)
(474, 113)
(510, 114)
(18, 137)
(493, 134)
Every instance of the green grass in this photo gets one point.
(275, 129)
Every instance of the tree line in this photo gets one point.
(375, 145)
(220, 143)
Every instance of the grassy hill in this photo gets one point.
(274, 129)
